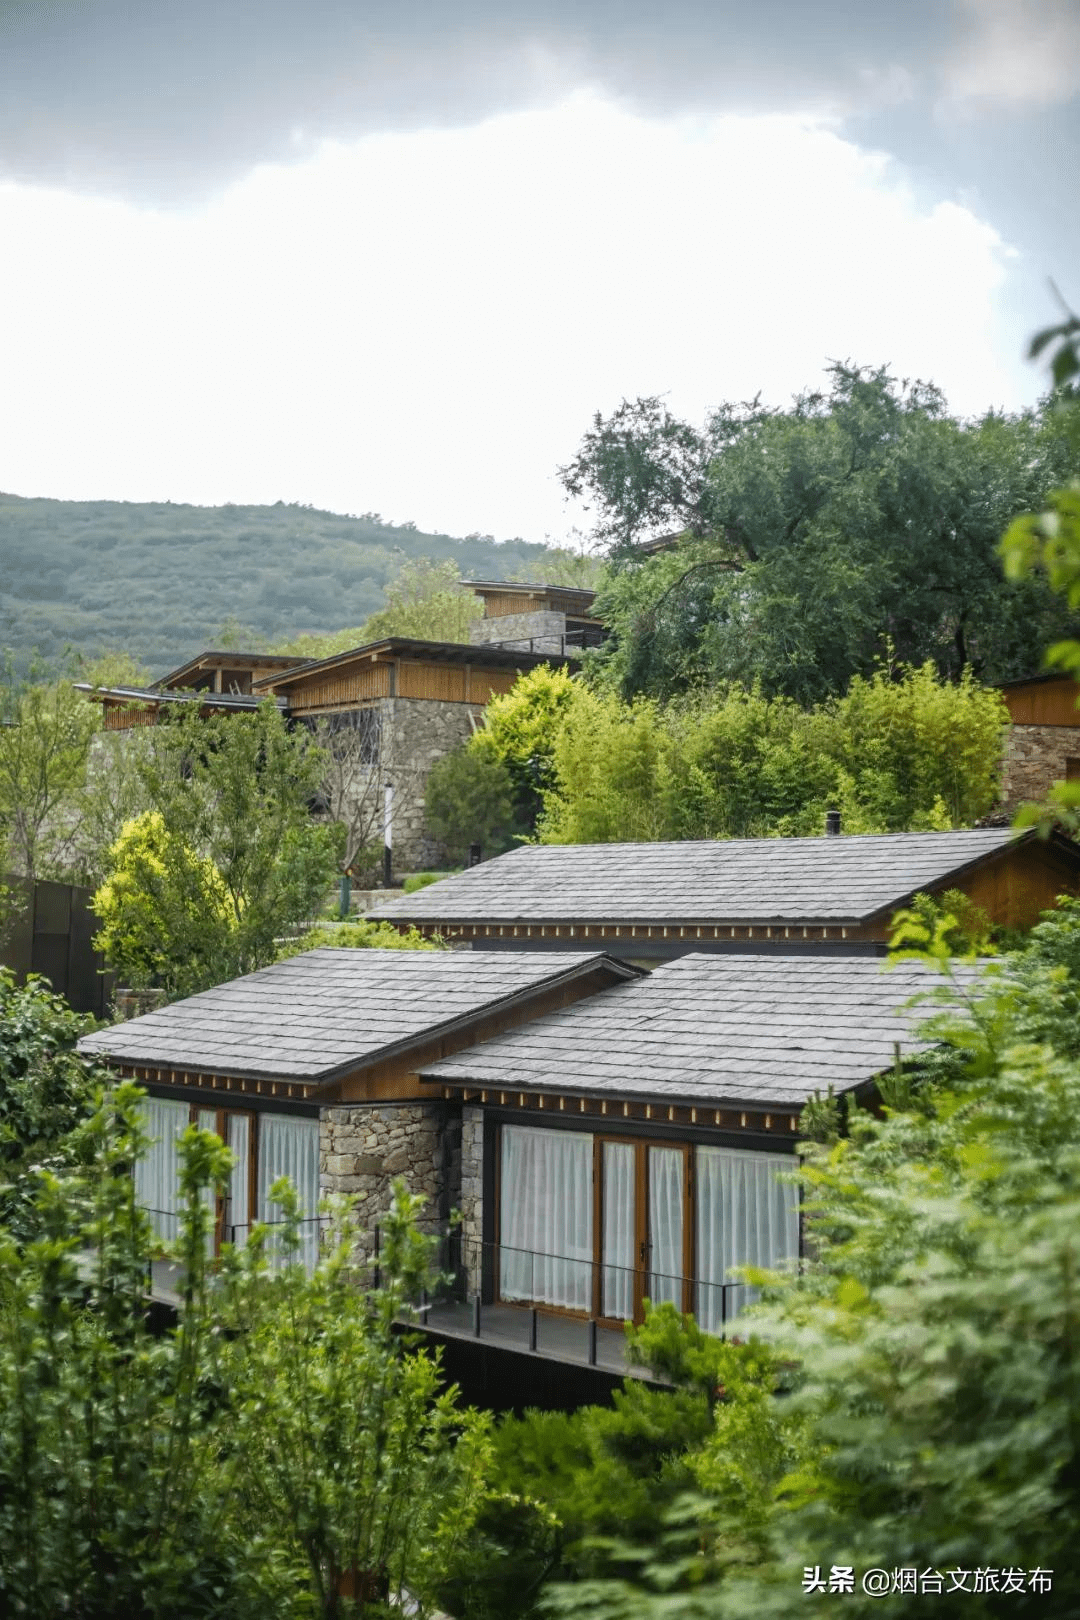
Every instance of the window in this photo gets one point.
(265, 1146)
(596, 1225)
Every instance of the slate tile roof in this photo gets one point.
(739, 880)
(715, 1030)
(329, 1010)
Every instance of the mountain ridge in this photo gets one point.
(157, 578)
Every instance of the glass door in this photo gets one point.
(666, 1238)
(618, 1225)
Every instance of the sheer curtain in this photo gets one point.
(545, 1217)
(237, 1212)
(665, 1226)
(745, 1217)
(617, 1294)
(290, 1147)
(157, 1172)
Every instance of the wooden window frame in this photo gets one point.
(642, 1241)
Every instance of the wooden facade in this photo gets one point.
(433, 672)
(501, 598)
(1045, 700)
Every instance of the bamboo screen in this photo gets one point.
(496, 607)
(445, 682)
(337, 690)
(123, 719)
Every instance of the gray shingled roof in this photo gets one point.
(758, 1031)
(329, 1010)
(739, 880)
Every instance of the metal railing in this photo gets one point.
(565, 1304)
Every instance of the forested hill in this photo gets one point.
(155, 579)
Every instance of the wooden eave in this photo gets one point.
(280, 1089)
(779, 1120)
(405, 650)
(849, 928)
(225, 660)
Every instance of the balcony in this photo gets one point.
(566, 1308)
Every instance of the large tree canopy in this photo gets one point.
(810, 538)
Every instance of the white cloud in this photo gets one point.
(423, 324)
(1017, 53)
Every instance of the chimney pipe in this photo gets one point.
(832, 823)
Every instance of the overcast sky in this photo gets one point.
(392, 256)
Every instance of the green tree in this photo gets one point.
(46, 733)
(233, 838)
(469, 800)
(902, 750)
(521, 729)
(164, 911)
(341, 1451)
(46, 1089)
(930, 1340)
(810, 535)
(425, 600)
(281, 1444)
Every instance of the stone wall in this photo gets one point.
(1035, 758)
(471, 1194)
(364, 1146)
(413, 734)
(522, 632)
(416, 733)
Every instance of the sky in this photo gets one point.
(392, 257)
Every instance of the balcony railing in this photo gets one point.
(569, 1306)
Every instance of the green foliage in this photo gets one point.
(424, 600)
(521, 728)
(422, 880)
(45, 1091)
(228, 861)
(950, 926)
(808, 535)
(164, 910)
(359, 934)
(158, 579)
(340, 1450)
(902, 750)
(469, 800)
(278, 1447)
(46, 733)
(931, 1361)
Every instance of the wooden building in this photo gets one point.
(650, 902)
(404, 702)
(607, 1136)
(1043, 745)
(535, 618)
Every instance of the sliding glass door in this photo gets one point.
(598, 1224)
(592, 1224)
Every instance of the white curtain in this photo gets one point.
(208, 1121)
(745, 1217)
(157, 1172)
(665, 1226)
(237, 1213)
(545, 1217)
(290, 1147)
(617, 1298)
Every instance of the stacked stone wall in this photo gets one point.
(364, 1147)
(471, 1193)
(417, 733)
(1035, 758)
(542, 632)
